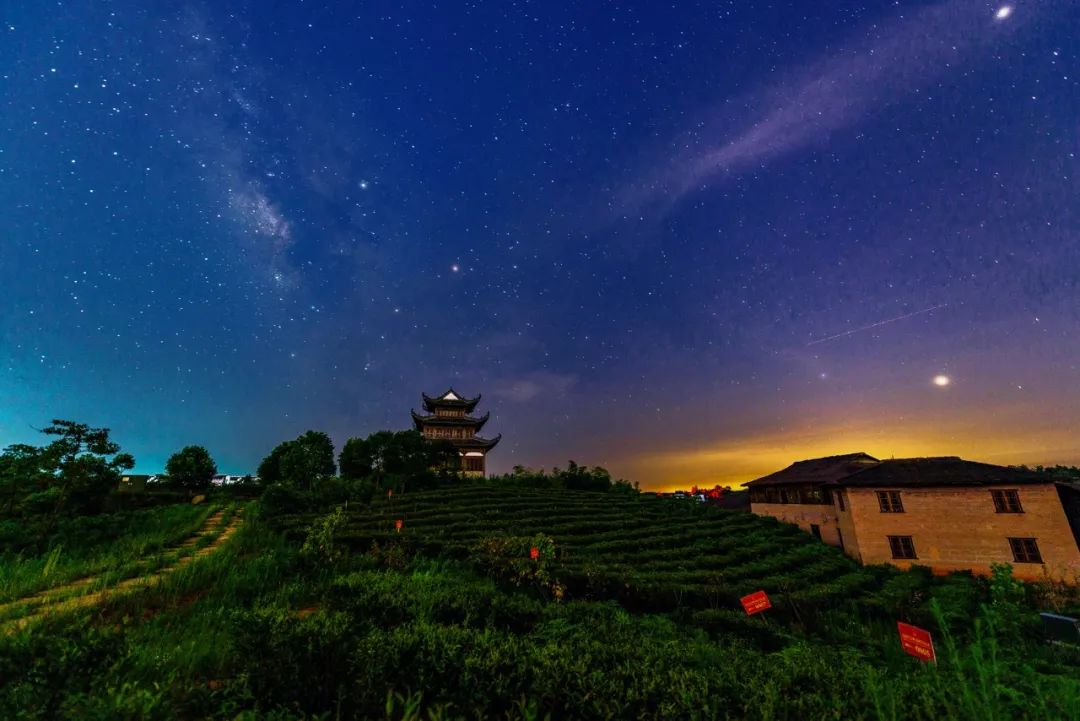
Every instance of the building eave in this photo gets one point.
(451, 421)
(475, 443)
(431, 403)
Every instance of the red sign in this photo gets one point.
(916, 642)
(534, 553)
(397, 524)
(755, 603)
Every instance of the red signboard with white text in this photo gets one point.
(916, 642)
(755, 603)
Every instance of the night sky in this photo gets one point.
(691, 242)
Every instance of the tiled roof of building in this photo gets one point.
(449, 399)
(460, 421)
(477, 442)
(817, 470)
(935, 472)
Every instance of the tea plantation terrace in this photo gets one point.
(652, 554)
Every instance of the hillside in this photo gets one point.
(651, 554)
(629, 610)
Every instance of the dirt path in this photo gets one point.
(64, 598)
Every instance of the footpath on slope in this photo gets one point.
(65, 598)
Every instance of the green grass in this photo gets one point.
(117, 546)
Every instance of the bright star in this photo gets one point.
(455, 268)
(1003, 12)
(942, 381)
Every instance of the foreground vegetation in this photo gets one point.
(110, 543)
(393, 591)
(340, 616)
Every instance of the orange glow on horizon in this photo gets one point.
(735, 462)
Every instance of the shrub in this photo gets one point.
(520, 560)
(321, 545)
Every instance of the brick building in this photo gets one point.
(946, 513)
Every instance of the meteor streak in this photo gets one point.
(874, 325)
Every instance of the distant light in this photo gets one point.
(455, 268)
(942, 381)
(1003, 12)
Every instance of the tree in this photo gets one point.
(84, 472)
(269, 470)
(405, 454)
(303, 461)
(73, 474)
(22, 471)
(360, 457)
(191, 468)
(364, 457)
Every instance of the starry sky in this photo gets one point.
(691, 242)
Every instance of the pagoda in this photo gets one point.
(448, 418)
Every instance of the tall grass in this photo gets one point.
(118, 541)
(982, 680)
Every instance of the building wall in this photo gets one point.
(846, 524)
(802, 515)
(957, 528)
(474, 458)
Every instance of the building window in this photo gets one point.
(840, 499)
(902, 547)
(1007, 501)
(816, 530)
(1025, 550)
(889, 501)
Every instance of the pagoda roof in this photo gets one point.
(485, 444)
(450, 399)
(460, 421)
